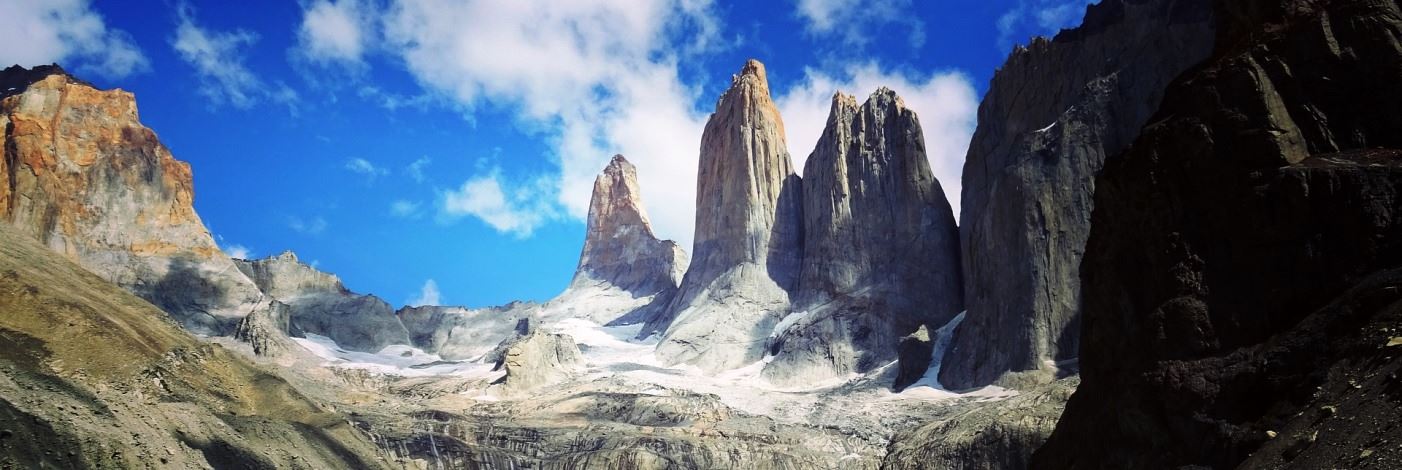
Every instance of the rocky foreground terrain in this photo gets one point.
(1180, 250)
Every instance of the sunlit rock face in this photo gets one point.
(318, 303)
(82, 175)
(625, 274)
(881, 249)
(1054, 113)
(748, 243)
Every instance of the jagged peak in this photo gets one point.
(15, 79)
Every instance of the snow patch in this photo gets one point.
(397, 359)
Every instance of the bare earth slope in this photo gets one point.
(94, 377)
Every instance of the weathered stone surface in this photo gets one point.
(457, 333)
(318, 303)
(881, 249)
(1053, 114)
(268, 329)
(82, 175)
(996, 436)
(625, 274)
(1241, 272)
(748, 243)
(537, 359)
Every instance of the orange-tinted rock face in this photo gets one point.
(83, 176)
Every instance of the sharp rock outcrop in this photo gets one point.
(82, 175)
(625, 274)
(1053, 114)
(318, 303)
(749, 242)
(537, 359)
(881, 248)
(1243, 276)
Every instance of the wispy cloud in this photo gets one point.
(415, 170)
(856, 22)
(237, 251)
(312, 226)
(218, 60)
(335, 32)
(599, 77)
(405, 209)
(1038, 18)
(428, 295)
(945, 102)
(364, 167)
(510, 208)
(39, 32)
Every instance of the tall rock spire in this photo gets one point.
(749, 240)
(625, 274)
(881, 248)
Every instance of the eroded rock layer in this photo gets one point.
(1053, 114)
(82, 175)
(749, 239)
(1240, 282)
(881, 249)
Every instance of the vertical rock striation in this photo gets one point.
(881, 248)
(1053, 114)
(749, 241)
(1243, 278)
(83, 176)
(625, 274)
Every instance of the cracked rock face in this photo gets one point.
(1053, 114)
(625, 274)
(318, 303)
(457, 333)
(881, 248)
(748, 244)
(83, 176)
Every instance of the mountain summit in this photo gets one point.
(749, 233)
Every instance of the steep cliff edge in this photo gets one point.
(82, 175)
(749, 240)
(1240, 282)
(1053, 114)
(881, 249)
(625, 274)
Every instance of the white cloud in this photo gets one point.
(428, 295)
(313, 226)
(237, 251)
(516, 209)
(856, 22)
(364, 167)
(1039, 18)
(218, 60)
(598, 77)
(335, 32)
(415, 170)
(39, 32)
(405, 209)
(946, 104)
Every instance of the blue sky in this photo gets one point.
(442, 151)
